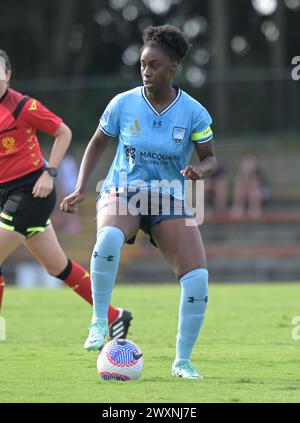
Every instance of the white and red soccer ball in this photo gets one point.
(120, 359)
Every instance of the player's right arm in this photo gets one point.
(91, 157)
(108, 129)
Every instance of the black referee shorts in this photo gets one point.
(20, 211)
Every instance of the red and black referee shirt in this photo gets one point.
(20, 118)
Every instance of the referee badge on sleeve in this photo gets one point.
(178, 134)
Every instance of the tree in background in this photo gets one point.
(234, 41)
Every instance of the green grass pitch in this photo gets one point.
(246, 351)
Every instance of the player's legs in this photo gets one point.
(181, 245)
(48, 251)
(183, 249)
(128, 223)
(9, 241)
(112, 231)
(221, 194)
(254, 196)
(238, 198)
(46, 248)
(24, 218)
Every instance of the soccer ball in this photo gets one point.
(120, 359)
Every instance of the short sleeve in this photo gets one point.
(201, 131)
(37, 116)
(110, 119)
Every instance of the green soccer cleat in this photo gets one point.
(97, 336)
(184, 369)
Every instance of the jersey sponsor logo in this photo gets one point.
(130, 154)
(135, 130)
(9, 145)
(33, 105)
(159, 156)
(178, 134)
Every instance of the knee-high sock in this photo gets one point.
(78, 279)
(194, 297)
(104, 266)
(2, 285)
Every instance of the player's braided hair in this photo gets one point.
(169, 38)
(4, 55)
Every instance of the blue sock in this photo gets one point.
(194, 297)
(104, 266)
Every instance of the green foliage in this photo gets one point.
(76, 55)
(246, 352)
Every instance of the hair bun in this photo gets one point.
(170, 38)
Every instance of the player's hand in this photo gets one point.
(43, 186)
(193, 172)
(68, 204)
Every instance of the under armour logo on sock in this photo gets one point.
(108, 258)
(193, 299)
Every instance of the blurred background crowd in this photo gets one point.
(243, 67)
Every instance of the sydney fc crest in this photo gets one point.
(178, 135)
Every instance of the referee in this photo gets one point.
(27, 191)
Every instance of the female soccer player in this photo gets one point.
(27, 192)
(158, 126)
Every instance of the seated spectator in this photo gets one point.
(65, 184)
(216, 190)
(250, 189)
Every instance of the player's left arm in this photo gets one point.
(44, 185)
(36, 115)
(208, 162)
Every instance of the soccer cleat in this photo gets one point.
(118, 329)
(97, 335)
(184, 369)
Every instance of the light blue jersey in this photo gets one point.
(153, 147)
